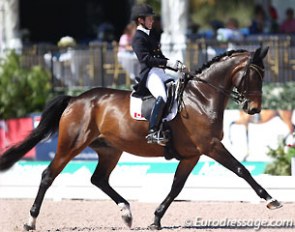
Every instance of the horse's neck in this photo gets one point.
(213, 91)
(204, 98)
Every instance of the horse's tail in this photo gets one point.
(47, 127)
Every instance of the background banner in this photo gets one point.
(247, 137)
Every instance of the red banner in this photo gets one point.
(13, 131)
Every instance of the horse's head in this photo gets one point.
(248, 81)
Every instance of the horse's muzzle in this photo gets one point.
(251, 108)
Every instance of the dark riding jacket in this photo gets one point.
(149, 55)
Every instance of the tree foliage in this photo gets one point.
(22, 91)
(203, 12)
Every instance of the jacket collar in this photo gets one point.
(141, 28)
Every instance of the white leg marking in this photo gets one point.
(32, 222)
(126, 213)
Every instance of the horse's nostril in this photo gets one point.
(254, 111)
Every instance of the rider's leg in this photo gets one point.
(156, 115)
(155, 84)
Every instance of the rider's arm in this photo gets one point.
(141, 47)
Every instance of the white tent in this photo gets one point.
(9, 25)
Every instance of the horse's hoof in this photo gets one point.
(127, 220)
(155, 226)
(126, 214)
(28, 228)
(274, 204)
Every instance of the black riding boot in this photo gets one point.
(155, 135)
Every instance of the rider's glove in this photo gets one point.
(177, 66)
(184, 69)
(174, 64)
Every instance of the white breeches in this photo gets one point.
(155, 83)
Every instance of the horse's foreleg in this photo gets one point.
(108, 158)
(223, 156)
(184, 168)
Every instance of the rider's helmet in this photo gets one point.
(141, 10)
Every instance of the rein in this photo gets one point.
(235, 95)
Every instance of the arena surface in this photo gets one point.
(104, 216)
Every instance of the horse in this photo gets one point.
(100, 118)
(263, 117)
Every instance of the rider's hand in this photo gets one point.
(174, 64)
(184, 69)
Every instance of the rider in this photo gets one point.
(152, 63)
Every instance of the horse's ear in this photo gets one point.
(260, 53)
(264, 52)
(256, 54)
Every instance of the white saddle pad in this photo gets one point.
(135, 109)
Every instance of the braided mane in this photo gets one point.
(218, 58)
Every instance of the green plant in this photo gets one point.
(279, 96)
(22, 91)
(281, 164)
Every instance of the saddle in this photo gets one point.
(141, 107)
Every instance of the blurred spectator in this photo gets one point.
(60, 62)
(215, 25)
(288, 25)
(126, 38)
(192, 31)
(106, 32)
(231, 32)
(66, 44)
(25, 36)
(259, 21)
(274, 26)
(126, 56)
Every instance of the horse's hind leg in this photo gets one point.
(71, 142)
(48, 176)
(108, 159)
(222, 155)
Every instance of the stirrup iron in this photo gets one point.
(160, 137)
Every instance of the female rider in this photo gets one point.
(152, 64)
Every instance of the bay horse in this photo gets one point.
(100, 118)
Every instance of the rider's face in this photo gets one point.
(148, 22)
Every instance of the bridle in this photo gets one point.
(244, 82)
(237, 95)
(258, 70)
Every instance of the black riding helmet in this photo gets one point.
(141, 10)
